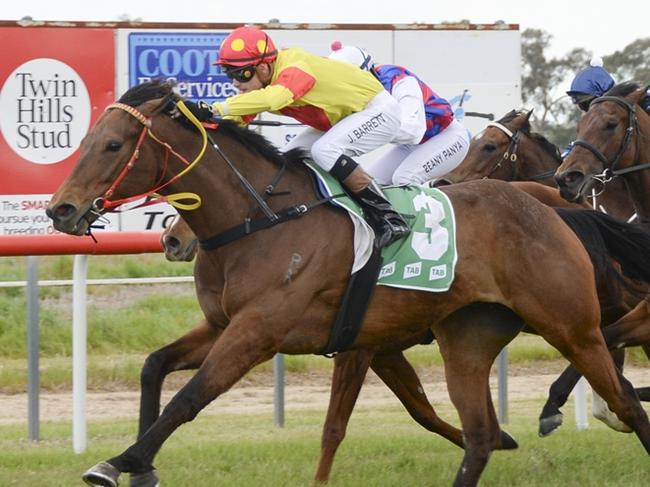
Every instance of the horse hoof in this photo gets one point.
(147, 479)
(601, 411)
(508, 442)
(550, 424)
(611, 420)
(102, 475)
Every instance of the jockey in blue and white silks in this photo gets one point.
(430, 142)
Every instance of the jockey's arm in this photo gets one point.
(413, 123)
(269, 99)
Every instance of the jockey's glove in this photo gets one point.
(201, 110)
(220, 110)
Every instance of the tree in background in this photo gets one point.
(544, 81)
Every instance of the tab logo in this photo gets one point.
(44, 110)
(387, 270)
(437, 272)
(412, 270)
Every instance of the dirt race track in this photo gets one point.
(301, 392)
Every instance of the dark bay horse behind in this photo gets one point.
(519, 263)
(511, 150)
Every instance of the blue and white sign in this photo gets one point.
(185, 57)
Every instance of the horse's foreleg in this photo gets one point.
(587, 351)
(631, 330)
(186, 353)
(551, 417)
(398, 374)
(349, 373)
(243, 345)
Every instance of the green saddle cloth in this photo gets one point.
(426, 259)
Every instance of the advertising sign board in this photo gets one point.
(51, 92)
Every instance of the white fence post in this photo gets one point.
(79, 333)
(580, 400)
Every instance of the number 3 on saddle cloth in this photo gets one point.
(425, 260)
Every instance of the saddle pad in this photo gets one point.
(426, 259)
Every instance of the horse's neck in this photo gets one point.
(225, 202)
(638, 182)
(537, 161)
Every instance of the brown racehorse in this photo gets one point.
(613, 147)
(511, 151)
(519, 263)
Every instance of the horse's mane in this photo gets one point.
(623, 89)
(546, 144)
(250, 140)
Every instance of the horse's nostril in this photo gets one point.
(172, 243)
(61, 212)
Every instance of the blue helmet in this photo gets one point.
(593, 80)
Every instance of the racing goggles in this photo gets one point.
(243, 74)
(583, 101)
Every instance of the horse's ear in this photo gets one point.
(521, 121)
(637, 95)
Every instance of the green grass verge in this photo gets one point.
(383, 448)
(126, 323)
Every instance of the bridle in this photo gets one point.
(104, 203)
(510, 153)
(609, 167)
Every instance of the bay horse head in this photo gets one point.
(114, 160)
(145, 146)
(508, 150)
(613, 139)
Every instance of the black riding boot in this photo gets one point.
(387, 223)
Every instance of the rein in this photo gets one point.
(511, 153)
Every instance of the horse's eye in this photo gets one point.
(113, 146)
(611, 125)
(489, 148)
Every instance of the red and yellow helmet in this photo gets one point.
(246, 46)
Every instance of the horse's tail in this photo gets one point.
(606, 238)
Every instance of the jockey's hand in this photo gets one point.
(201, 110)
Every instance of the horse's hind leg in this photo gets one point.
(469, 341)
(585, 348)
(398, 374)
(349, 373)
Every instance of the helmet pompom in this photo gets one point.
(596, 61)
(336, 45)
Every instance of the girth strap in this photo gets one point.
(251, 226)
(354, 305)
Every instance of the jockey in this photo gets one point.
(347, 110)
(589, 84)
(431, 142)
